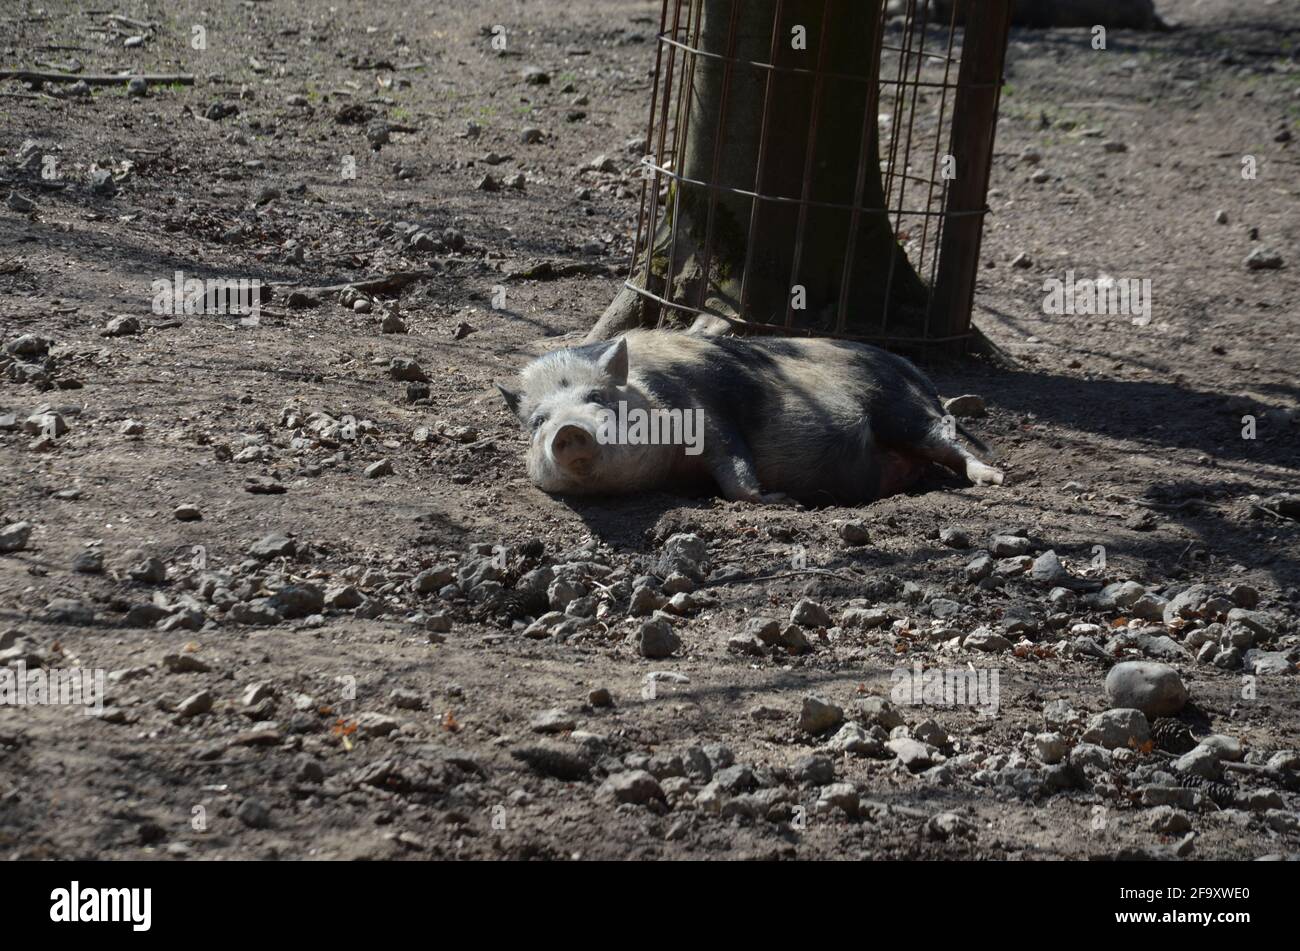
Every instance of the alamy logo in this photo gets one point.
(57, 686)
(1116, 297)
(947, 687)
(103, 904)
(652, 427)
(215, 295)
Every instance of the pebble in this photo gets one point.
(379, 469)
(968, 406)
(818, 715)
(656, 639)
(1113, 729)
(855, 533)
(195, 704)
(809, 613)
(14, 537)
(187, 512)
(406, 370)
(982, 639)
(955, 538)
(1155, 689)
(634, 786)
(123, 325)
(913, 754)
(1007, 546)
(1263, 259)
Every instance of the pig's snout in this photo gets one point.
(573, 447)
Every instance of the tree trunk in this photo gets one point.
(782, 261)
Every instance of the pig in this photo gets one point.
(762, 419)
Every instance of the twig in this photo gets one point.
(387, 282)
(93, 79)
(794, 573)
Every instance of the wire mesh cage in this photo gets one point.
(819, 167)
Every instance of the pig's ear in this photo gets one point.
(613, 362)
(512, 400)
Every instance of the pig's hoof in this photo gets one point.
(981, 474)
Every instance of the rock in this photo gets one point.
(148, 571)
(794, 640)
(600, 698)
(955, 538)
(376, 724)
(1270, 663)
(535, 76)
(1048, 569)
(297, 600)
(879, 712)
(123, 325)
(554, 720)
(982, 639)
(818, 715)
(1169, 821)
(1263, 259)
(1007, 546)
(966, 407)
(1114, 729)
(187, 512)
(656, 639)
(682, 553)
(14, 537)
(1155, 689)
(406, 370)
(913, 754)
(746, 644)
(1202, 761)
(275, 545)
(377, 470)
(1050, 747)
(852, 738)
(343, 597)
(864, 618)
(254, 813)
(554, 761)
(809, 613)
(634, 786)
(195, 704)
(88, 562)
(530, 135)
(855, 533)
(839, 796)
(1224, 747)
(979, 568)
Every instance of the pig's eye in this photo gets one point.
(536, 422)
(596, 396)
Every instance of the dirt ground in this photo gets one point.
(302, 702)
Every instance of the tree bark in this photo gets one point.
(713, 246)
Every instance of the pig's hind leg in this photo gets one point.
(920, 431)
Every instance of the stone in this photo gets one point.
(187, 512)
(656, 639)
(1050, 747)
(913, 754)
(982, 639)
(195, 704)
(635, 786)
(968, 406)
(955, 538)
(818, 715)
(1155, 689)
(809, 613)
(852, 738)
(1008, 546)
(855, 533)
(14, 537)
(275, 545)
(554, 720)
(1114, 729)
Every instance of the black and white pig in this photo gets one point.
(817, 421)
